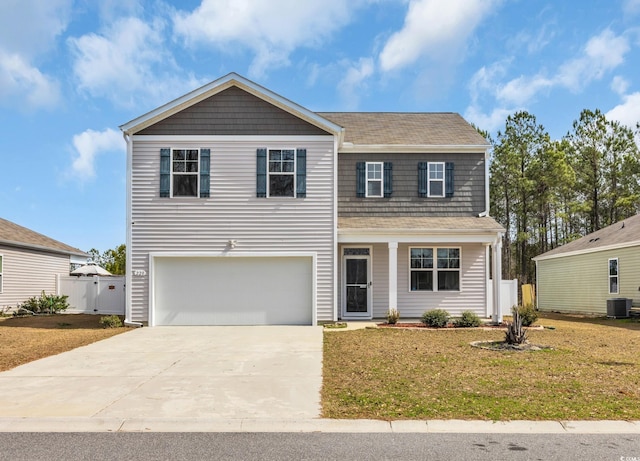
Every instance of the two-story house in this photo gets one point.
(246, 208)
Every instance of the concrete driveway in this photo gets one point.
(256, 372)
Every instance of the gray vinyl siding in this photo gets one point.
(411, 305)
(26, 273)
(469, 186)
(232, 112)
(580, 283)
(233, 211)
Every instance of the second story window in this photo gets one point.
(374, 179)
(282, 171)
(184, 172)
(436, 179)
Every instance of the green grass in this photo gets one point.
(592, 373)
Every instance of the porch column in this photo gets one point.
(393, 275)
(497, 279)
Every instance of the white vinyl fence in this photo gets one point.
(93, 295)
(508, 296)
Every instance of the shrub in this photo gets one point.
(392, 316)
(527, 313)
(468, 319)
(515, 334)
(436, 318)
(110, 321)
(45, 304)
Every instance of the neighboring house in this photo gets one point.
(582, 275)
(29, 263)
(246, 208)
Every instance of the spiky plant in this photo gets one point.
(515, 333)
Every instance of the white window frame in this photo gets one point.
(432, 180)
(435, 269)
(179, 173)
(616, 276)
(368, 180)
(280, 173)
(1, 269)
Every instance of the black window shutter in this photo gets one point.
(205, 168)
(422, 179)
(165, 172)
(448, 179)
(361, 182)
(301, 173)
(261, 173)
(388, 179)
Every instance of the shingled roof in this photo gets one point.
(420, 223)
(15, 235)
(622, 233)
(406, 128)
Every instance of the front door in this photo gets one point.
(357, 283)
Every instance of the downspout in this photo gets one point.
(487, 205)
(129, 265)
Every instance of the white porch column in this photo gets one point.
(393, 275)
(497, 279)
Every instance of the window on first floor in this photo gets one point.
(0, 273)
(613, 276)
(434, 269)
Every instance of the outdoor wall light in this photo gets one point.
(232, 243)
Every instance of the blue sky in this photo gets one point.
(72, 71)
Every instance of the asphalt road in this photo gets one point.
(316, 446)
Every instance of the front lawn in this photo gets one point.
(25, 339)
(592, 373)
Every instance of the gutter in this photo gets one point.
(129, 265)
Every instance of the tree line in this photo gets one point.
(549, 192)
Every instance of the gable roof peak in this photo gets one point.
(217, 86)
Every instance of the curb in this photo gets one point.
(84, 424)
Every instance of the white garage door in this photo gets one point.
(233, 291)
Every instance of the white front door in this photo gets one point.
(356, 283)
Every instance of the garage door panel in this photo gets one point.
(233, 291)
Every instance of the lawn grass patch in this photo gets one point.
(24, 339)
(592, 373)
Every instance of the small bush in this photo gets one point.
(467, 320)
(392, 316)
(515, 334)
(527, 313)
(110, 321)
(45, 304)
(436, 318)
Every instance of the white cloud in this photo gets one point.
(88, 145)
(602, 53)
(619, 85)
(129, 64)
(270, 29)
(22, 84)
(490, 122)
(30, 27)
(521, 90)
(435, 29)
(28, 30)
(351, 86)
(627, 113)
